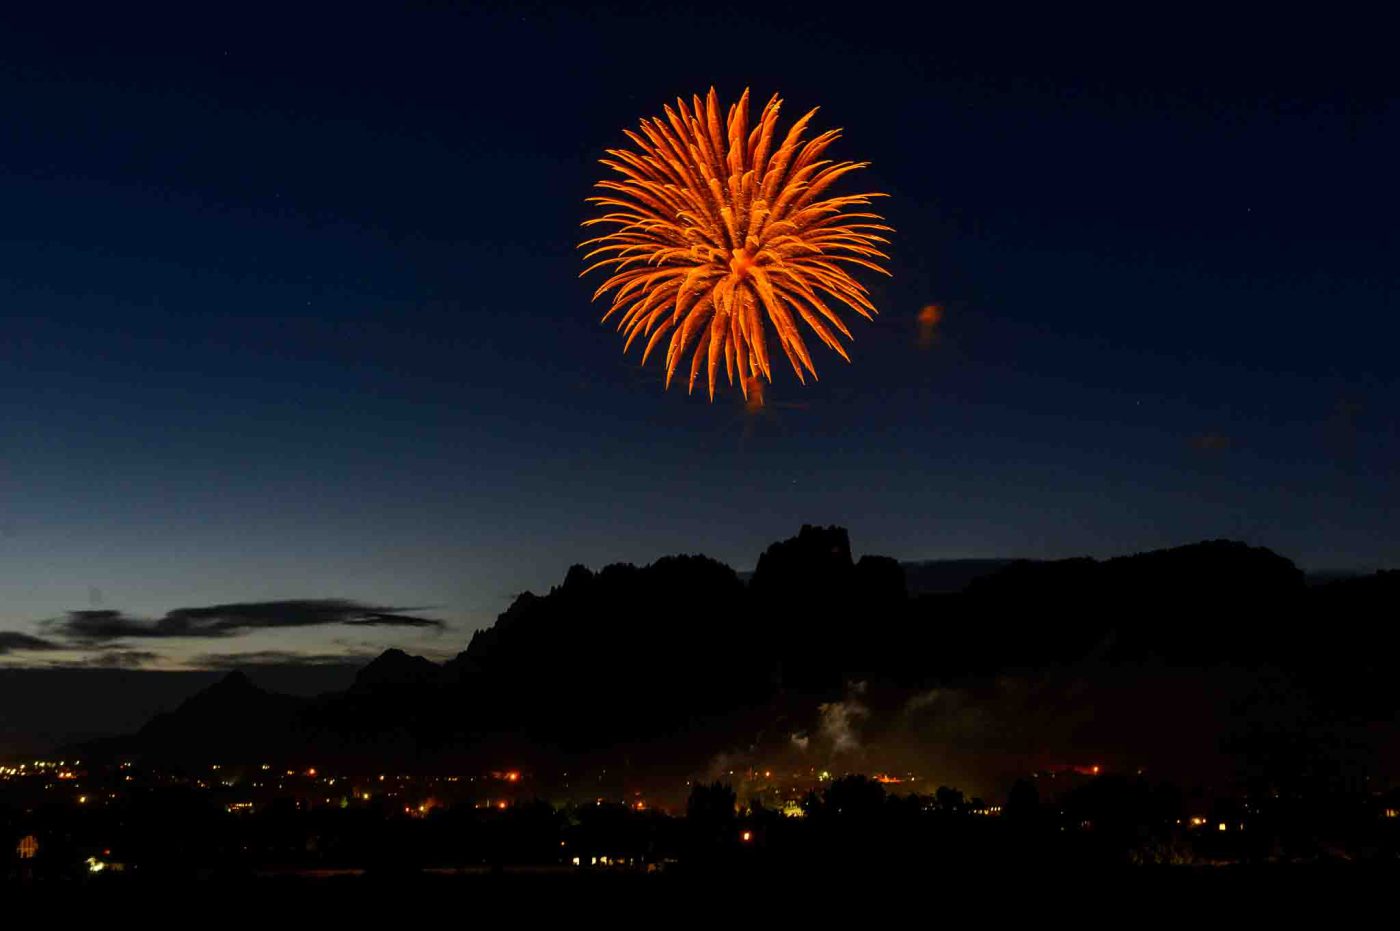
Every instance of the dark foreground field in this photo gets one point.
(1341, 895)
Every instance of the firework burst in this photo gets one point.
(720, 230)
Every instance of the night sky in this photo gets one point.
(291, 306)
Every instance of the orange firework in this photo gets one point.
(716, 230)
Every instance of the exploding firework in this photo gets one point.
(718, 234)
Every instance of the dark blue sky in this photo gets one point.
(291, 309)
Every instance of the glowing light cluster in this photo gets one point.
(717, 227)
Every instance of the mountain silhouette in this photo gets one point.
(395, 669)
(668, 661)
(232, 719)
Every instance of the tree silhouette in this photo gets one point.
(950, 801)
(711, 819)
(1023, 803)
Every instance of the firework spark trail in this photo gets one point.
(717, 229)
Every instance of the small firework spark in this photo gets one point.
(716, 231)
(929, 318)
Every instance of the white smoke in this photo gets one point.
(840, 719)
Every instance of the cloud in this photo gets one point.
(105, 626)
(12, 641)
(96, 626)
(278, 658)
(117, 659)
(395, 620)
